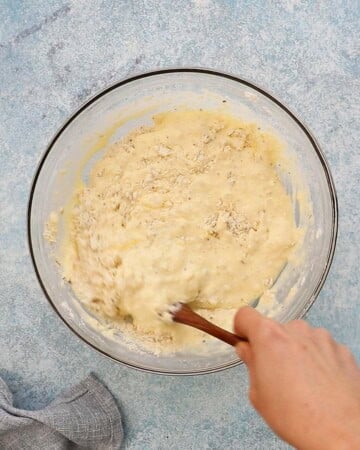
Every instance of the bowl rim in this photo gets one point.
(196, 70)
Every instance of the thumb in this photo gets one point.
(244, 352)
(247, 321)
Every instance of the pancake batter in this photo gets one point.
(190, 209)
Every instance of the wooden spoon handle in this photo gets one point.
(187, 316)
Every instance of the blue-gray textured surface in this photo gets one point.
(54, 55)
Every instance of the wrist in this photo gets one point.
(347, 438)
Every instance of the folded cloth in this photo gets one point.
(83, 417)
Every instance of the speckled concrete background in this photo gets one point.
(56, 54)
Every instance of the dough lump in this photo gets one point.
(190, 209)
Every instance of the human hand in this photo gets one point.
(304, 384)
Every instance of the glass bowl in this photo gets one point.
(130, 103)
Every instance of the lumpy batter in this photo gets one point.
(190, 209)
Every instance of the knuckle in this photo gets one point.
(323, 334)
(271, 330)
(345, 351)
(301, 325)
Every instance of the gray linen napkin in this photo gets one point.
(83, 417)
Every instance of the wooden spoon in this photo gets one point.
(182, 313)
